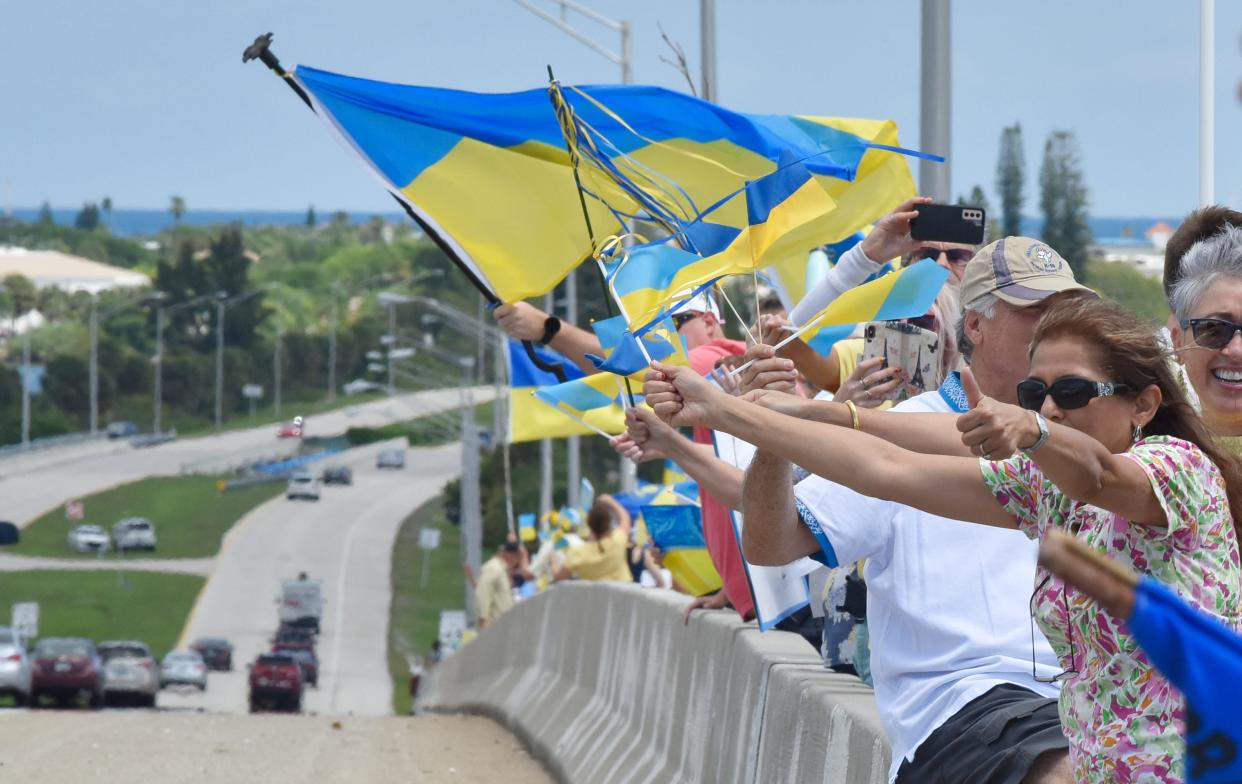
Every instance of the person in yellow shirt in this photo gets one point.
(493, 594)
(602, 556)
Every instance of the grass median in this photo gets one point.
(190, 517)
(106, 604)
(414, 615)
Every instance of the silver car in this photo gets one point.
(302, 485)
(88, 539)
(183, 668)
(14, 667)
(134, 533)
(390, 458)
(129, 672)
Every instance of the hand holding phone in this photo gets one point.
(949, 223)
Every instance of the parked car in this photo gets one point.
(337, 475)
(390, 458)
(217, 653)
(122, 429)
(294, 638)
(360, 385)
(183, 668)
(129, 672)
(64, 668)
(276, 681)
(306, 659)
(289, 430)
(134, 533)
(303, 484)
(88, 539)
(14, 667)
(9, 533)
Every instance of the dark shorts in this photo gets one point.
(993, 739)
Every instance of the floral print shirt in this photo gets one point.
(1123, 720)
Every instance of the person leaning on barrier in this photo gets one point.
(1206, 302)
(493, 594)
(953, 648)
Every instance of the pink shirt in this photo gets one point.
(721, 539)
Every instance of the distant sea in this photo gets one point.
(139, 223)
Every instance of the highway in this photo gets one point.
(344, 539)
(29, 487)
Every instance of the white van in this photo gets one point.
(303, 484)
(134, 533)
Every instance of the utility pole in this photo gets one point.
(471, 513)
(707, 47)
(935, 99)
(1207, 102)
(26, 385)
(545, 449)
(94, 364)
(332, 318)
(276, 368)
(221, 298)
(392, 345)
(158, 394)
(573, 444)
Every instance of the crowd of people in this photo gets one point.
(1046, 408)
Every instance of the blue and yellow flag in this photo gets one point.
(488, 177)
(905, 293)
(677, 529)
(629, 355)
(531, 419)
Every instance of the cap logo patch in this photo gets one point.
(1043, 258)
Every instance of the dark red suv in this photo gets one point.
(276, 682)
(64, 668)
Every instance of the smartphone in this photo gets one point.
(949, 223)
(913, 349)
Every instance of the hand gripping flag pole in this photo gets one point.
(261, 50)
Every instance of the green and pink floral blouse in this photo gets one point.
(1122, 719)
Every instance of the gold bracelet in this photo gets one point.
(853, 414)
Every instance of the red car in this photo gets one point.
(276, 681)
(64, 668)
(305, 657)
(289, 430)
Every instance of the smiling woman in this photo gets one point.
(1207, 305)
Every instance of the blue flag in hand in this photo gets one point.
(1202, 658)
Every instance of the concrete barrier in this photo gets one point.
(605, 684)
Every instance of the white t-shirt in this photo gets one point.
(948, 602)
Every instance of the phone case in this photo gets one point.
(911, 348)
(949, 223)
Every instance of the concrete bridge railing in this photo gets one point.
(605, 684)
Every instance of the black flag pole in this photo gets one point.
(261, 50)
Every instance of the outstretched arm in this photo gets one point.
(523, 321)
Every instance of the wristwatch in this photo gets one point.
(1043, 434)
(551, 326)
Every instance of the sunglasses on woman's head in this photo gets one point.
(1067, 393)
(954, 255)
(1213, 333)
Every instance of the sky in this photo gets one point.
(143, 99)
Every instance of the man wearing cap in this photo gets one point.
(493, 596)
(955, 658)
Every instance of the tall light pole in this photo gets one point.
(276, 368)
(707, 48)
(332, 319)
(471, 514)
(26, 386)
(1207, 102)
(160, 322)
(221, 299)
(94, 363)
(934, 99)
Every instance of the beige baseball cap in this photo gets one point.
(1018, 270)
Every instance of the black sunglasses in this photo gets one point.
(1213, 333)
(1067, 393)
(1064, 675)
(954, 255)
(680, 319)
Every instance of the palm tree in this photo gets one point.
(177, 208)
(106, 205)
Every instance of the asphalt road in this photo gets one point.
(26, 493)
(146, 746)
(344, 539)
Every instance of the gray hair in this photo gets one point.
(1218, 256)
(985, 306)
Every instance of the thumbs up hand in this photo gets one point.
(991, 429)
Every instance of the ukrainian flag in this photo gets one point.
(677, 529)
(905, 293)
(488, 177)
(628, 354)
(531, 419)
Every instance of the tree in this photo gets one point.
(227, 269)
(45, 215)
(311, 220)
(1063, 200)
(177, 207)
(106, 206)
(88, 217)
(1010, 180)
(21, 293)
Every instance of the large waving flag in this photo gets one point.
(531, 419)
(488, 178)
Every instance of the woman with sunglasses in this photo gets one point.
(1107, 449)
(1206, 302)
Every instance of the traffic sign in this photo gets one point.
(429, 538)
(74, 510)
(25, 619)
(252, 391)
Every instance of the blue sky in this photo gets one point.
(142, 99)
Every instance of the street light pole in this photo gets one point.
(159, 370)
(392, 344)
(332, 318)
(707, 46)
(220, 300)
(935, 99)
(276, 368)
(94, 364)
(26, 385)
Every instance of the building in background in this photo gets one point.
(48, 268)
(1145, 253)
